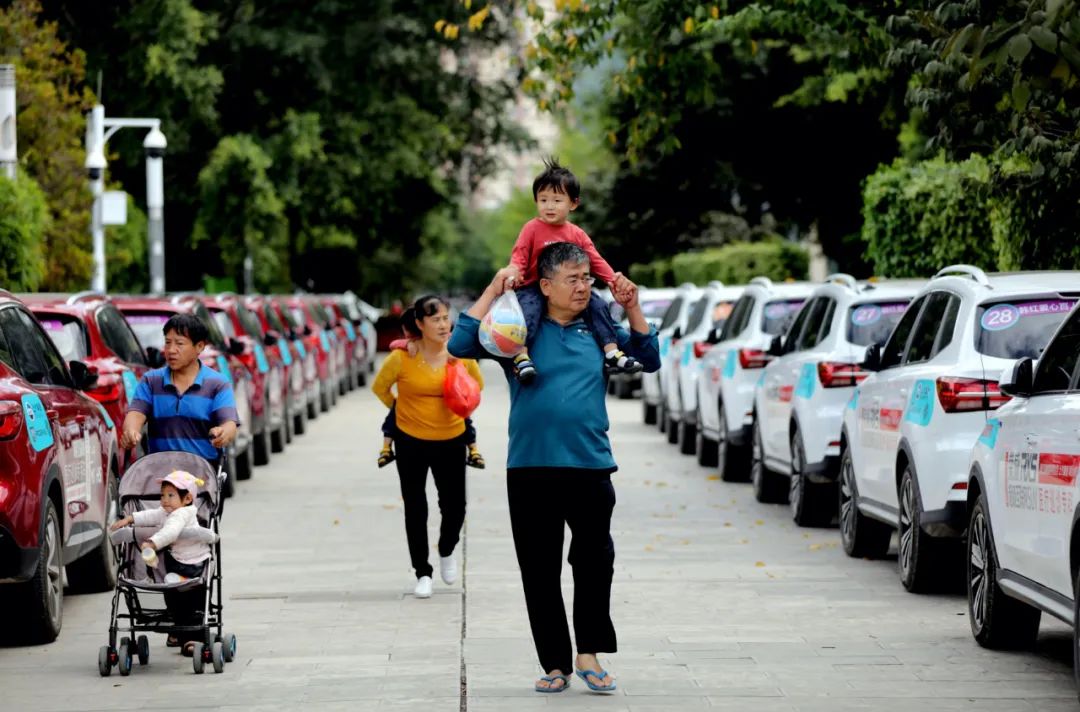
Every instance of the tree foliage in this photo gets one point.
(24, 223)
(736, 263)
(51, 98)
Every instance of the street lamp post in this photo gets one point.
(8, 150)
(99, 130)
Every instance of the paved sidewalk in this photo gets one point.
(719, 603)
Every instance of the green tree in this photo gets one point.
(51, 100)
(24, 223)
(241, 213)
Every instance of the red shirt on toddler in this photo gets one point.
(537, 234)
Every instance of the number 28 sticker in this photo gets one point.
(1000, 317)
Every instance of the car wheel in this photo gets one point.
(648, 413)
(324, 399)
(280, 436)
(861, 536)
(811, 503)
(672, 430)
(706, 448)
(997, 620)
(731, 460)
(228, 488)
(361, 378)
(921, 557)
(769, 487)
(42, 615)
(687, 437)
(245, 461)
(661, 415)
(97, 570)
(261, 442)
(313, 407)
(300, 422)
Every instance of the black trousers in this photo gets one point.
(390, 428)
(446, 460)
(185, 607)
(543, 501)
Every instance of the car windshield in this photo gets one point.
(298, 315)
(147, 328)
(272, 319)
(224, 323)
(68, 336)
(1019, 328)
(872, 323)
(777, 315)
(720, 313)
(655, 308)
(697, 314)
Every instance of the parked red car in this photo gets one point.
(267, 369)
(88, 327)
(58, 477)
(148, 314)
(355, 347)
(293, 356)
(316, 338)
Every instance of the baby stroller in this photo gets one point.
(140, 489)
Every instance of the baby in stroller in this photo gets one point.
(170, 548)
(183, 559)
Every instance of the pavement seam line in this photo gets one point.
(464, 679)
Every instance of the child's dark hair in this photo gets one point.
(559, 179)
(425, 306)
(187, 325)
(182, 493)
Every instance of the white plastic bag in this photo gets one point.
(502, 330)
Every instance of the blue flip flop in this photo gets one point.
(586, 674)
(552, 678)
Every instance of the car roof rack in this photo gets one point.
(842, 278)
(85, 294)
(763, 281)
(969, 270)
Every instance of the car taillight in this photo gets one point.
(958, 395)
(836, 374)
(108, 389)
(701, 348)
(248, 359)
(753, 358)
(11, 419)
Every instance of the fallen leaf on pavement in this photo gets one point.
(713, 477)
(759, 564)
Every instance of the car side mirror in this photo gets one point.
(713, 337)
(236, 346)
(872, 360)
(84, 378)
(270, 338)
(154, 357)
(307, 330)
(677, 334)
(776, 346)
(1018, 381)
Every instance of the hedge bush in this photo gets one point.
(24, 217)
(920, 217)
(736, 263)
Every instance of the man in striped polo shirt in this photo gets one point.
(189, 406)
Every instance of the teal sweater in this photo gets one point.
(560, 419)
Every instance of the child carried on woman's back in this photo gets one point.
(184, 558)
(557, 194)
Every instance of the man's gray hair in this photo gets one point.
(557, 254)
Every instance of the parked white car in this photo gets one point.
(1023, 543)
(910, 426)
(654, 304)
(703, 326)
(799, 404)
(670, 329)
(732, 368)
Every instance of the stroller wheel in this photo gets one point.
(124, 663)
(197, 661)
(143, 649)
(104, 661)
(217, 656)
(228, 641)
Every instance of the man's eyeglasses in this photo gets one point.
(575, 282)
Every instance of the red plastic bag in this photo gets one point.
(460, 391)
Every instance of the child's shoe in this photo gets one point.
(524, 370)
(618, 362)
(386, 456)
(475, 459)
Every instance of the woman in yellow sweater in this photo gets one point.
(430, 437)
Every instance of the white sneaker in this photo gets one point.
(448, 569)
(423, 587)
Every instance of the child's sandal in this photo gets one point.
(475, 459)
(524, 371)
(386, 457)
